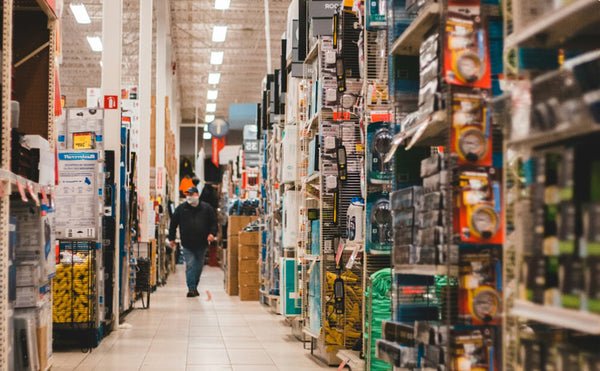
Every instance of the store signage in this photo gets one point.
(217, 145)
(218, 128)
(111, 102)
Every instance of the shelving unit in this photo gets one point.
(410, 41)
(28, 40)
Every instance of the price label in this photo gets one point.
(22, 191)
(83, 140)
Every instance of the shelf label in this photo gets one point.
(111, 102)
(22, 191)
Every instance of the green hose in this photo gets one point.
(379, 309)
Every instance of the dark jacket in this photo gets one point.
(195, 224)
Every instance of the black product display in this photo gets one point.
(142, 281)
(339, 292)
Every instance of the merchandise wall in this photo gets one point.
(444, 174)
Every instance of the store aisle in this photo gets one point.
(179, 333)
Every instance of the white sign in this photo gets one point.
(94, 97)
(77, 214)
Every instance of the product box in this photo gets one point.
(28, 274)
(249, 292)
(249, 238)
(248, 252)
(248, 278)
(27, 297)
(236, 223)
(248, 266)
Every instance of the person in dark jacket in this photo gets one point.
(197, 222)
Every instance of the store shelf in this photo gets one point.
(574, 26)
(568, 318)
(310, 333)
(13, 179)
(310, 257)
(312, 54)
(564, 132)
(352, 359)
(429, 131)
(312, 178)
(410, 41)
(426, 270)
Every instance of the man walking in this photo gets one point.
(197, 222)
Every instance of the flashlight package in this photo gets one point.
(478, 207)
(379, 223)
(471, 130)
(467, 61)
(480, 285)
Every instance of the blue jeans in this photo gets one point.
(194, 262)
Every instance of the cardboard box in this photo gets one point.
(246, 266)
(236, 223)
(231, 269)
(232, 287)
(248, 252)
(249, 238)
(42, 346)
(248, 278)
(249, 293)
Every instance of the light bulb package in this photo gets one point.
(467, 60)
(471, 135)
(478, 213)
(379, 143)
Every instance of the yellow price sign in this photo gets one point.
(83, 140)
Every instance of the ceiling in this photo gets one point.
(192, 21)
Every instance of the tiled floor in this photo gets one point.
(179, 333)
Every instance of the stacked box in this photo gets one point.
(234, 226)
(249, 284)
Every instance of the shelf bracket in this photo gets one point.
(32, 54)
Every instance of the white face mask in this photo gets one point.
(193, 200)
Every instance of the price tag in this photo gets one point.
(22, 191)
(83, 140)
(33, 194)
(44, 197)
(340, 250)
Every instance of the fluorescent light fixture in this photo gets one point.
(214, 78)
(216, 57)
(219, 34)
(101, 64)
(222, 4)
(212, 94)
(205, 126)
(211, 107)
(206, 135)
(208, 119)
(95, 43)
(80, 13)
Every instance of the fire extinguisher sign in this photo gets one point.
(111, 102)
(160, 178)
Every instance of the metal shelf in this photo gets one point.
(312, 178)
(352, 359)
(574, 26)
(312, 54)
(426, 270)
(310, 333)
(409, 42)
(568, 318)
(430, 131)
(549, 137)
(310, 257)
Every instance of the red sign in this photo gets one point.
(217, 145)
(111, 101)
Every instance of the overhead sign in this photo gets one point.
(217, 145)
(218, 128)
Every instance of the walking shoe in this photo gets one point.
(191, 294)
(196, 293)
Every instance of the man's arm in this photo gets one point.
(213, 230)
(173, 226)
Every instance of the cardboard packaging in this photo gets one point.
(236, 223)
(248, 252)
(249, 293)
(249, 238)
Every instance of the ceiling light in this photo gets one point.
(214, 78)
(95, 43)
(219, 34)
(80, 13)
(216, 57)
(205, 126)
(209, 119)
(222, 4)
(212, 94)
(206, 135)
(101, 64)
(211, 107)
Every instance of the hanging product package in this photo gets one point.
(467, 61)
(471, 135)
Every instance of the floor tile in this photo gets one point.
(249, 357)
(199, 356)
